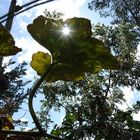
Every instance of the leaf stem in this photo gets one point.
(32, 94)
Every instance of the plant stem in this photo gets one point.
(32, 94)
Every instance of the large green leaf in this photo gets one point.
(76, 53)
(7, 43)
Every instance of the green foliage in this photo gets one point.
(74, 54)
(89, 112)
(125, 10)
(3, 83)
(53, 15)
(7, 44)
(122, 40)
(17, 92)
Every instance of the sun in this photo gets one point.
(66, 30)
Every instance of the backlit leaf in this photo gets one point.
(40, 62)
(74, 54)
(7, 43)
(80, 28)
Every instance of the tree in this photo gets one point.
(125, 10)
(12, 87)
(17, 90)
(89, 114)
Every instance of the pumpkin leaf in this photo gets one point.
(74, 54)
(7, 43)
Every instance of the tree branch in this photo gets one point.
(34, 134)
(20, 7)
(132, 13)
(26, 10)
(108, 87)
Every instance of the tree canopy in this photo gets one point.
(125, 10)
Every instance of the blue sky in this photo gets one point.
(70, 8)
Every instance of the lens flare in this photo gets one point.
(66, 30)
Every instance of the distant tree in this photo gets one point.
(17, 90)
(125, 10)
(53, 15)
(89, 112)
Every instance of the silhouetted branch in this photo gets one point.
(34, 134)
(13, 10)
(35, 5)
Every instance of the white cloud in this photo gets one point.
(23, 120)
(70, 8)
(22, 2)
(136, 116)
(22, 26)
(29, 46)
(6, 59)
(27, 129)
(128, 96)
(138, 52)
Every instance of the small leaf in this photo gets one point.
(40, 62)
(7, 43)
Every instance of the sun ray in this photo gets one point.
(66, 30)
